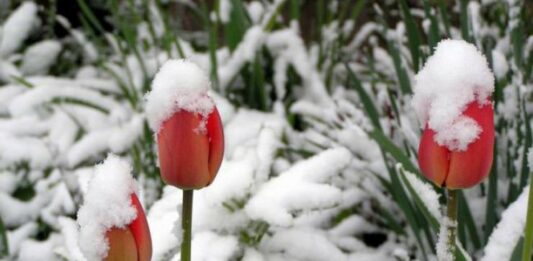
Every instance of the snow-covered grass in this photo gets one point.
(320, 132)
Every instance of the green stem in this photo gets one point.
(528, 233)
(186, 222)
(452, 219)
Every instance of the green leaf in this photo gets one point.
(434, 221)
(491, 211)
(368, 104)
(237, 25)
(79, 102)
(465, 23)
(467, 221)
(413, 34)
(4, 247)
(388, 146)
(434, 32)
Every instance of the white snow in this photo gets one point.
(424, 191)
(32, 100)
(220, 247)
(300, 187)
(505, 236)
(14, 150)
(499, 63)
(443, 251)
(18, 27)
(225, 10)
(107, 204)
(178, 85)
(456, 75)
(40, 56)
(303, 244)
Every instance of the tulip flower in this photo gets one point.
(132, 242)
(452, 97)
(189, 133)
(190, 158)
(460, 169)
(112, 222)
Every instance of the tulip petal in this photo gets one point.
(216, 142)
(470, 167)
(121, 245)
(432, 158)
(141, 231)
(183, 151)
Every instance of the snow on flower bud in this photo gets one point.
(112, 222)
(452, 99)
(187, 125)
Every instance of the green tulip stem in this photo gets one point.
(528, 233)
(451, 224)
(186, 222)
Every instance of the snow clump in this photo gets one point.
(456, 75)
(107, 205)
(179, 85)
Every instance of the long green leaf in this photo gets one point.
(368, 104)
(4, 247)
(388, 146)
(413, 34)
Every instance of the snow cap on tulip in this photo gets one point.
(178, 85)
(456, 75)
(107, 204)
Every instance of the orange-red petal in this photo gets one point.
(121, 245)
(141, 231)
(183, 151)
(433, 159)
(470, 167)
(216, 142)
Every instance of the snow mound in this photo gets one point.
(107, 204)
(456, 75)
(179, 85)
(17, 28)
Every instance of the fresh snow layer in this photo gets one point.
(456, 75)
(107, 204)
(179, 85)
(40, 56)
(425, 192)
(505, 236)
(17, 28)
(300, 187)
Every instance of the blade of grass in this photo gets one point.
(413, 34)
(467, 221)
(90, 15)
(237, 25)
(388, 146)
(400, 196)
(76, 101)
(528, 232)
(259, 83)
(444, 17)
(434, 222)
(212, 45)
(368, 104)
(4, 247)
(464, 19)
(434, 32)
(527, 143)
(492, 200)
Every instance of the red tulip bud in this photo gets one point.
(187, 125)
(189, 156)
(132, 242)
(460, 169)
